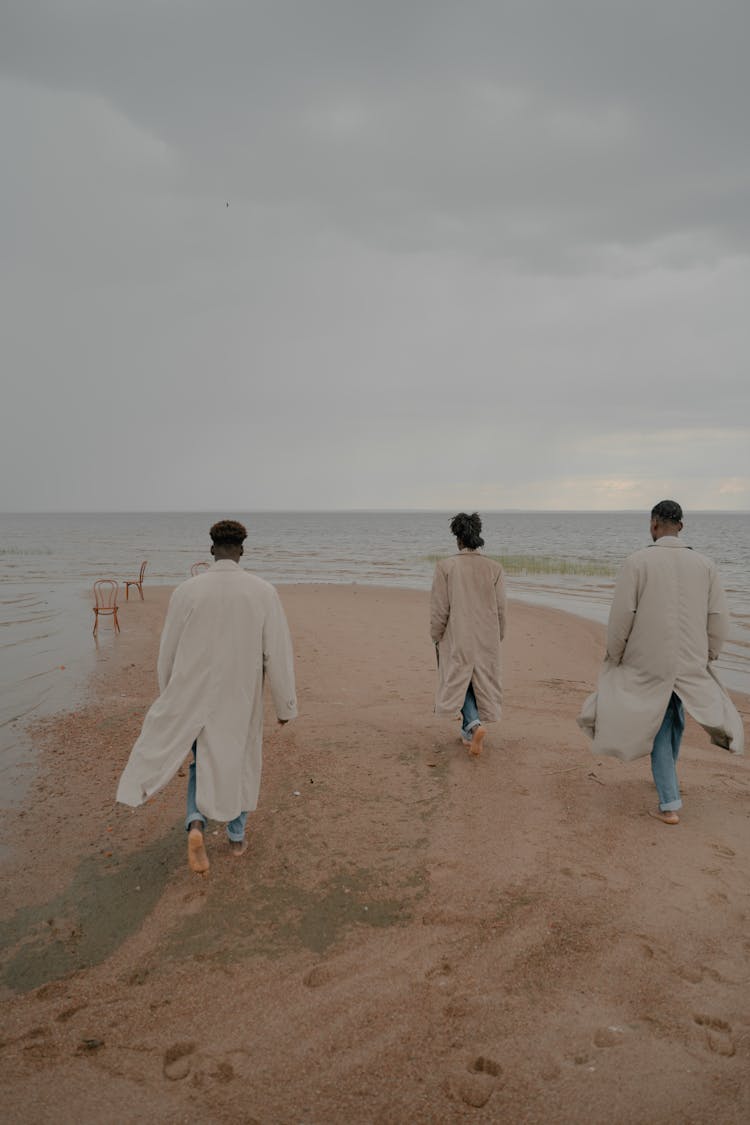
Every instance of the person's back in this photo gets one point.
(471, 582)
(467, 625)
(680, 616)
(225, 634)
(221, 614)
(668, 621)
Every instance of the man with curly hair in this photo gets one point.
(225, 634)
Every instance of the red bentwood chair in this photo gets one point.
(136, 582)
(196, 568)
(105, 601)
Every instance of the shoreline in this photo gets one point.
(511, 938)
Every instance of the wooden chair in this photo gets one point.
(196, 568)
(105, 601)
(136, 581)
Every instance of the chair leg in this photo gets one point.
(127, 587)
(140, 590)
(117, 623)
(96, 620)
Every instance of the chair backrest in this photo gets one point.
(143, 570)
(196, 568)
(105, 593)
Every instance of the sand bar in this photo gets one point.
(413, 936)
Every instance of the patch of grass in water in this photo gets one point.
(521, 565)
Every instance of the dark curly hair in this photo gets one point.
(228, 533)
(667, 511)
(467, 529)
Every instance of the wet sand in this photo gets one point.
(413, 935)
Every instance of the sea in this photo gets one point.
(49, 562)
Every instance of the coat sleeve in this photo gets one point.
(501, 603)
(278, 660)
(717, 624)
(439, 605)
(622, 613)
(174, 623)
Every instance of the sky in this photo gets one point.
(330, 254)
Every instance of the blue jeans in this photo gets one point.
(235, 828)
(664, 756)
(470, 713)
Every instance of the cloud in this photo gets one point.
(499, 249)
(524, 131)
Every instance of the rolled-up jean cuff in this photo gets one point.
(191, 819)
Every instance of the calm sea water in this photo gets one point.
(49, 562)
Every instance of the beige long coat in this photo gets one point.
(467, 623)
(225, 632)
(668, 620)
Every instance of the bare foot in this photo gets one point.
(670, 817)
(197, 857)
(477, 738)
(238, 847)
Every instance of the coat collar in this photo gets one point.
(225, 564)
(669, 541)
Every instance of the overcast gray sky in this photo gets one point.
(487, 254)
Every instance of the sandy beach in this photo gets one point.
(413, 935)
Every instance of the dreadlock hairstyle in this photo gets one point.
(467, 529)
(228, 533)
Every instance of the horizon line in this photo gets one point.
(349, 511)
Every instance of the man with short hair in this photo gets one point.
(224, 634)
(668, 622)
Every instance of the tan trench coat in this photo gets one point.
(225, 632)
(668, 620)
(467, 623)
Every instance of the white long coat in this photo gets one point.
(467, 623)
(668, 620)
(224, 633)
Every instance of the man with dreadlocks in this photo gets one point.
(224, 634)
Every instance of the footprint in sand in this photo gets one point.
(41, 1045)
(583, 874)
(718, 1035)
(460, 1008)
(68, 1013)
(476, 1086)
(722, 849)
(138, 976)
(177, 1061)
(443, 969)
(224, 1072)
(318, 975)
(608, 1036)
(693, 974)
